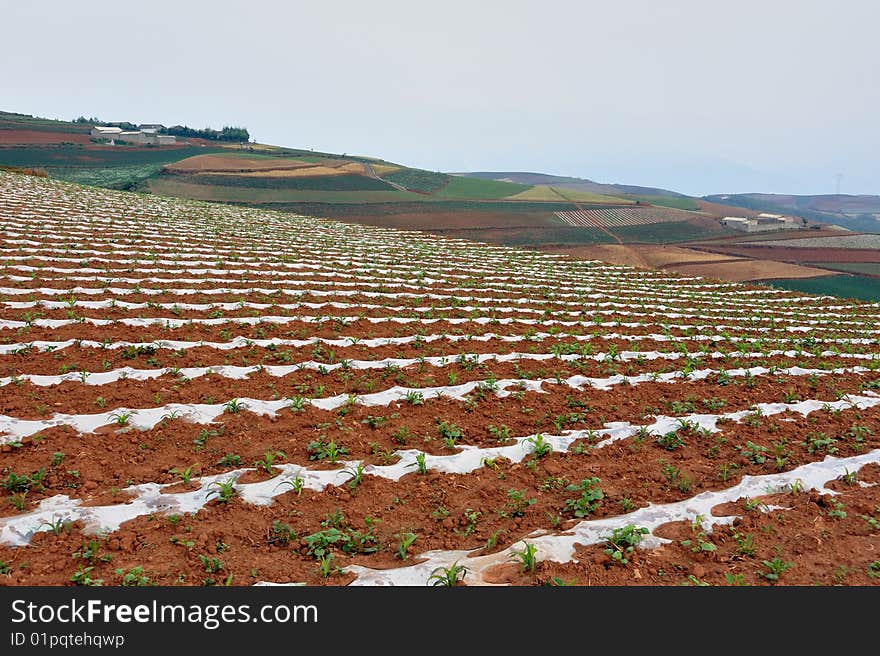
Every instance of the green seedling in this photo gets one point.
(526, 557)
(357, 474)
(774, 569)
(224, 491)
(420, 464)
(122, 418)
(517, 503)
(321, 449)
(82, 576)
(134, 577)
(234, 406)
(211, 564)
(185, 474)
(280, 533)
(230, 460)
(268, 460)
(296, 484)
(447, 576)
(540, 447)
(406, 541)
(623, 541)
(56, 525)
(589, 499)
(670, 441)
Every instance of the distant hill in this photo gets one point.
(525, 177)
(517, 208)
(860, 213)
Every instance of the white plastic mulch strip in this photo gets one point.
(18, 529)
(147, 418)
(241, 373)
(561, 547)
(674, 311)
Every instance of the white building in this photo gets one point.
(762, 223)
(105, 132)
(149, 135)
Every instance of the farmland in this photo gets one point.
(532, 210)
(198, 394)
(846, 286)
(619, 217)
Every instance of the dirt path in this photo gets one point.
(371, 172)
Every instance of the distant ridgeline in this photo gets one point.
(228, 133)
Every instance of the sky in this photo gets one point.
(696, 96)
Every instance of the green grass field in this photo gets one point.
(663, 233)
(543, 192)
(418, 180)
(473, 188)
(169, 186)
(868, 268)
(116, 177)
(541, 236)
(345, 182)
(843, 286)
(667, 201)
(25, 122)
(68, 157)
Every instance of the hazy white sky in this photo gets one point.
(692, 95)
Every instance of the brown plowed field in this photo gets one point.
(36, 137)
(194, 394)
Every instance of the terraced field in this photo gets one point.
(194, 394)
(618, 217)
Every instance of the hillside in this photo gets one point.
(860, 213)
(618, 223)
(572, 183)
(199, 394)
(536, 211)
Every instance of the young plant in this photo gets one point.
(82, 576)
(296, 484)
(449, 433)
(268, 460)
(623, 542)
(230, 460)
(357, 474)
(321, 449)
(134, 577)
(406, 541)
(540, 448)
(700, 542)
(224, 491)
(280, 533)
(56, 525)
(185, 474)
(526, 557)
(774, 569)
(234, 406)
(670, 441)
(326, 568)
(419, 464)
(211, 564)
(447, 576)
(589, 499)
(517, 503)
(122, 418)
